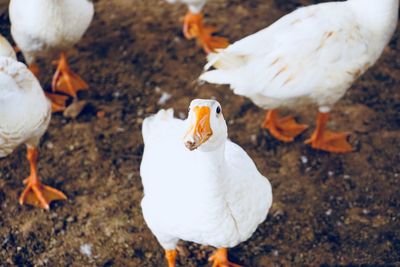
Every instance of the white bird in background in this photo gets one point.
(25, 114)
(6, 50)
(193, 26)
(43, 28)
(312, 55)
(209, 192)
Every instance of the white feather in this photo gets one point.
(25, 112)
(6, 50)
(212, 197)
(314, 53)
(40, 27)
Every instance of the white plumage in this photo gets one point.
(6, 50)
(25, 111)
(40, 27)
(314, 53)
(25, 114)
(213, 195)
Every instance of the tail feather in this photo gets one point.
(227, 65)
(217, 77)
(153, 121)
(225, 60)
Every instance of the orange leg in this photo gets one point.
(220, 259)
(170, 255)
(193, 27)
(284, 129)
(326, 140)
(34, 68)
(36, 193)
(58, 102)
(66, 81)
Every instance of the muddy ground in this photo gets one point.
(328, 209)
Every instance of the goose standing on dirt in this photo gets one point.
(25, 114)
(209, 192)
(312, 55)
(193, 26)
(44, 28)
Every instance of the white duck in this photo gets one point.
(193, 26)
(210, 192)
(25, 114)
(313, 55)
(6, 50)
(44, 27)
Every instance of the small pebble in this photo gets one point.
(86, 249)
(304, 159)
(75, 109)
(328, 212)
(50, 145)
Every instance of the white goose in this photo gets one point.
(209, 192)
(313, 55)
(44, 27)
(25, 114)
(193, 26)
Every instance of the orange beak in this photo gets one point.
(200, 131)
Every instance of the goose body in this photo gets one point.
(49, 28)
(40, 27)
(312, 55)
(25, 114)
(25, 111)
(213, 195)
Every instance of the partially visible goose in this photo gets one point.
(25, 114)
(312, 55)
(198, 185)
(193, 26)
(44, 28)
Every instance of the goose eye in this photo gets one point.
(218, 110)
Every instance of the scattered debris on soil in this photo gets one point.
(328, 209)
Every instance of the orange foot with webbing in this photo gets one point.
(193, 27)
(220, 259)
(323, 139)
(284, 129)
(65, 80)
(35, 193)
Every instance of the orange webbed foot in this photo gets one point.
(58, 102)
(284, 129)
(194, 27)
(331, 142)
(220, 259)
(211, 43)
(328, 141)
(65, 80)
(35, 193)
(39, 195)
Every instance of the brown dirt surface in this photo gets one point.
(328, 209)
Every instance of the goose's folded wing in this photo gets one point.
(311, 47)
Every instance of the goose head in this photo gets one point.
(206, 126)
